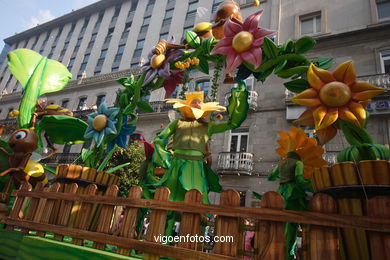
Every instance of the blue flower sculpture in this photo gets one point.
(102, 123)
(121, 139)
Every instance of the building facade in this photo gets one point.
(111, 38)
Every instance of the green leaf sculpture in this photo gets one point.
(38, 75)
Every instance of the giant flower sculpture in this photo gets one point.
(193, 106)
(333, 96)
(102, 123)
(242, 42)
(159, 64)
(306, 149)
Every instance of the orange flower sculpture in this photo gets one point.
(306, 148)
(333, 96)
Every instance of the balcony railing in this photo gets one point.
(235, 163)
(10, 125)
(158, 107)
(252, 99)
(65, 158)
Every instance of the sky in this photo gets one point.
(19, 15)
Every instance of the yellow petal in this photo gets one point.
(306, 118)
(175, 100)
(187, 112)
(365, 103)
(327, 134)
(358, 110)
(198, 113)
(363, 86)
(324, 75)
(345, 72)
(364, 95)
(308, 97)
(314, 80)
(331, 116)
(319, 115)
(346, 115)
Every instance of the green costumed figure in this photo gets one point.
(184, 163)
(301, 155)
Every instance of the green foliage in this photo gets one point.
(304, 44)
(128, 176)
(270, 49)
(192, 39)
(355, 135)
(324, 63)
(144, 106)
(297, 85)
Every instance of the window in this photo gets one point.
(383, 7)
(204, 86)
(191, 12)
(116, 14)
(35, 43)
(58, 36)
(310, 24)
(216, 3)
(150, 5)
(385, 61)
(164, 36)
(185, 29)
(71, 62)
(133, 6)
(239, 140)
(65, 103)
(100, 99)
(82, 103)
(102, 57)
(119, 53)
(138, 48)
(109, 35)
(70, 32)
(97, 72)
(84, 27)
(66, 148)
(99, 21)
(92, 41)
(242, 198)
(114, 69)
(126, 31)
(145, 25)
(134, 65)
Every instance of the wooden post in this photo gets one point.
(379, 242)
(105, 217)
(127, 227)
(321, 178)
(324, 242)
(65, 211)
(271, 242)
(33, 206)
(228, 226)
(45, 216)
(190, 222)
(85, 212)
(18, 204)
(157, 222)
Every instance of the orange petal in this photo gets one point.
(306, 118)
(345, 72)
(308, 97)
(314, 79)
(327, 134)
(358, 111)
(319, 114)
(308, 172)
(331, 116)
(281, 152)
(346, 115)
(363, 86)
(283, 134)
(364, 95)
(324, 75)
(365, 103)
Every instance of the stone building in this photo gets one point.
(111, 38)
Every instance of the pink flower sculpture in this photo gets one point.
(242, 42)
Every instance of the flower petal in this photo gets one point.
(358, 110)
(253, 56)
(308, 97)
(231, 28)
(324, 75)
(331, 116)
(306, 118)
(232, 62)
(327, 134)
(102, 108)
(252, 22)
(99, 138)
(360, 86)
(368, 94)
(224, 50)
(149, 76)
(319, 115)
(164, 70)
(314, 80)
(262, 32)
(345, 72)
(347, 115)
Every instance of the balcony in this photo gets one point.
(252, 99)
(61, 158)
(10, 125)
(235, 163)
(158, 107)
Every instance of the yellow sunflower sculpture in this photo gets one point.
(193, 107)
(333, 96)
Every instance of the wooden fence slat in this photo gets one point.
(324, 241)
(272, 242)
(45, 217)
(228, 226)
(85, 211)
(18, 204)
(127, 228)
(190, 222)
(105, 216)
(33, 205)
(157, 221)
(379, 242)
(65, 211)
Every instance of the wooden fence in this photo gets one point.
(320, 223)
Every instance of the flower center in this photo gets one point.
(157, 61)
(335, 94)
(242, 41)
(100, 122)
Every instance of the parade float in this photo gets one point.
(79, 210)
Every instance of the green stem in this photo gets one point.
(269, 64)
